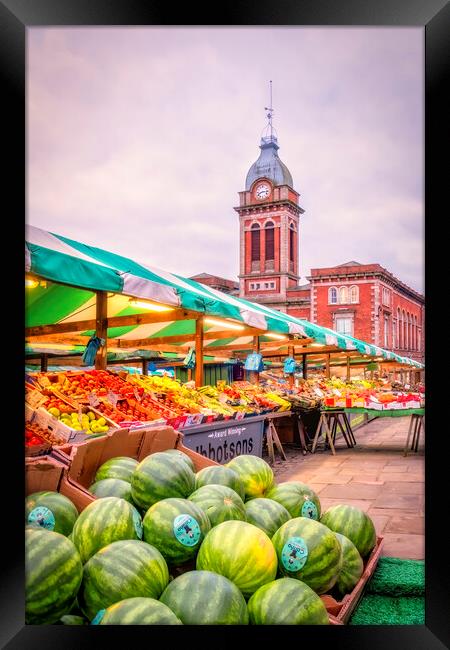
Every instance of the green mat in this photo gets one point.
(394, 596)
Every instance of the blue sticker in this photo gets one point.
(42, 516)
(186, 530)
(98, 617)
(309, 510)
(294, 554)
(137, 523)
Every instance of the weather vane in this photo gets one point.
(270, 111)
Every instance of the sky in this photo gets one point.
(139, 140)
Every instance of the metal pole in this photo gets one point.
(101, 322)
(199, 352)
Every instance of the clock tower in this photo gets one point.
(269, 225)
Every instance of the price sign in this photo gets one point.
(80, 413)
(318, 392)
(35, 398)
(112, 398)
(137, 395)
(93, 399)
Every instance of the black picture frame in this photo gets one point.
(434, 15)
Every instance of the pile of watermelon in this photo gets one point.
(163, 545)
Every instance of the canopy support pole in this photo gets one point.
(254, 376)
(44, 362)
(101, 326)
(199, 352)
(145, 366)
(304, 367)
(348, 368)
(327, 365)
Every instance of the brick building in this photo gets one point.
(363, 300)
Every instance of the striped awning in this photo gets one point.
(73, 272)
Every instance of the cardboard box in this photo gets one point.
(65, 433)
(82, 461)
(43, 473)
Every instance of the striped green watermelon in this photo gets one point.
(161, 476)
(286, 602)
(176, 527)
(112, 487)
(180, 454)
(122, 570)
(298, 498)
(219, 502)
(205, 598)
(104, 521)
(267, 514)
(241, 552)
(354, 523)
(220, 475)
(255, 474)
(136, 611)
(119, 467)
(352, 566)
(51, 510)
(309, 551)
(53, 573)
(72, 619)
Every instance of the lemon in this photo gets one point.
(54, 411)
(91, 415)
(101, 421)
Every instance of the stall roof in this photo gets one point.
(74, 272)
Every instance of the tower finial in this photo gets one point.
(270, 111)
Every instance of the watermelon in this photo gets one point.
(255, 474)
(72, 619)
(267, 514)
(112, 487)
(220, 475)
(241, 552)
(298, 498)
(122, 570)
(104, 521)
(161, 476)
(136, 611)
(176, 527)
(52, 511)
(286, 602)
(354, 523)
(205, 598)
(352, 566)
(219, 502)
(53, 573)
(180, 454)
(119, 467)
(309, 551)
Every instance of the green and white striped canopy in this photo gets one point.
(75, 271)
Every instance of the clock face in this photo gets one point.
(262, 191)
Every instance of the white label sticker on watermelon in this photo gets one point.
(98, 617)
(137, 523)
(186, 530)
(309, 510)
(43, 517)
(294, 554)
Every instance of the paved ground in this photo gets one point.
(374, 476)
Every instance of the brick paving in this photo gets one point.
(375, 476)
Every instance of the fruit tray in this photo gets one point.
(343, 609)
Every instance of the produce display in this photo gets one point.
(209, 557)
(52, 511)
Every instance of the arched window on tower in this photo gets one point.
(270, 240)
(291, 242)
(343, 295)
(354, 294)
(399, 329)
(256, 240)
(405, 331)
(416, 347)
(332, 296)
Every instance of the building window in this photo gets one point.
(291, 243)
(354, 294)
(332, 296)
(386, 331)
(399, 329)
(256, 240)
(270, 240)
(394, 332)
(266, 285)
(257, 285)
(386, 297)
(343, 295)
(405, 331)
(272, 285)
(344, 325)
(419, 340)
(415, 333)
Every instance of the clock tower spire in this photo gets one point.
(269, 224)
